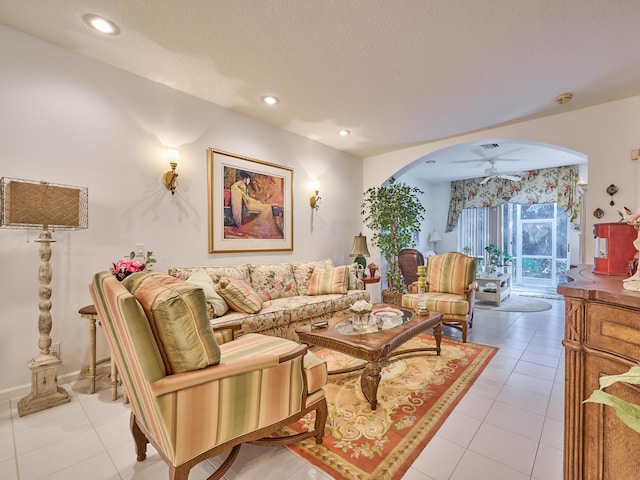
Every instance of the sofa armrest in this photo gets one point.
(226, 332)
(251, 363)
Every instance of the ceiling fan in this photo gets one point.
(494, 172)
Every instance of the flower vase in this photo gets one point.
(361, 321)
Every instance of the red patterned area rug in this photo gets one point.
(416, 394)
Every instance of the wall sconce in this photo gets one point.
(170, 176)
(314, 200)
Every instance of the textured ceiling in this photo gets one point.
(395, 73)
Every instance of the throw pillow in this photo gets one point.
(200, 278)
(329, 280)
(177, 313)
(353, 276)
(273, 281)
(302, 272)
(239, 296)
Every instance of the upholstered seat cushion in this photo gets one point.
(447, 303)
(177, 314)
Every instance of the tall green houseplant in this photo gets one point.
(394, 213)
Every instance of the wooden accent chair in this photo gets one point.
(451, 289)
(409, 259)
(256, 385)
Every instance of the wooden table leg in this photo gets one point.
(369, 382)
(90, 314)
(437, 334)
(114, 380)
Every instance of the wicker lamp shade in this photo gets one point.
(29, 204)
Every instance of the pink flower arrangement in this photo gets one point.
(128, 265)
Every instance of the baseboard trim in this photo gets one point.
(21, 390)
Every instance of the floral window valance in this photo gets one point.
(547, 185)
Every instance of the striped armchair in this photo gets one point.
(451, 289)
(250, 388)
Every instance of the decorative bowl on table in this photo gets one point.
(387, 315)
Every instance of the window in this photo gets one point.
(536, 235)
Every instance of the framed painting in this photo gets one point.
(250, 204)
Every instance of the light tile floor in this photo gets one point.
(507, 427)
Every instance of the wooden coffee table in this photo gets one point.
(372, 345)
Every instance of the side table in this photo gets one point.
(375, 293)
(89, 312)
(494, 289)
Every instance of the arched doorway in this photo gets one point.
(539, 237)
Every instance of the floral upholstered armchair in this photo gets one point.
(194, 395)
(451, 289)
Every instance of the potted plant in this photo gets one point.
(497, 257)
(394, 213)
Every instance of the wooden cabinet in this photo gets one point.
(602, 337)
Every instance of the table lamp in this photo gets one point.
(360, 250)
(434, 238)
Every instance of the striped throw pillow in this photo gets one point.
(239, 295)
(329, 280)
(177, 315)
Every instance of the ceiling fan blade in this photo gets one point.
(485, 180)
(477, 160)
(510, 177)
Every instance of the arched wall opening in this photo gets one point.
(605, 134)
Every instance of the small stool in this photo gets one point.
(89, 312)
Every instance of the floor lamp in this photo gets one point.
(28, 204)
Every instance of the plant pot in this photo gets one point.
(392, 298)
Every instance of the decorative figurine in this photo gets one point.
(633, 219)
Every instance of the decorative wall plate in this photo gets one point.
(598, 213)
(612, 190)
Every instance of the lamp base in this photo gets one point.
(360, 260)
(45, 392)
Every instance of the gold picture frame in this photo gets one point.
(250, 204)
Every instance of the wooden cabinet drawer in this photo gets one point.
(613, 329)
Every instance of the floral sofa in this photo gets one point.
(275, 299)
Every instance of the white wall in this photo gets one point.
(605, 133)
(67, 119)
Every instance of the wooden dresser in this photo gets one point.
(602, 337)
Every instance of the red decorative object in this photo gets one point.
(614, 248)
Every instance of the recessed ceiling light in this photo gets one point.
(270, 100)
(343, 133)
(101, 24)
